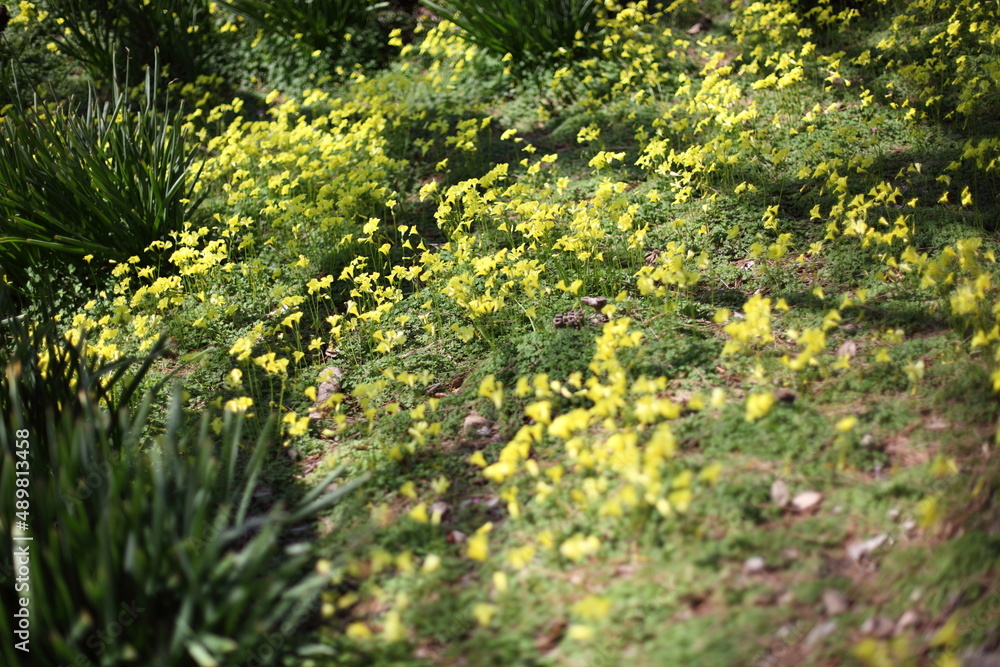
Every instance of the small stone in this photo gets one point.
(858, 550)
(329, 384)
(704, 24)
(753, 565)
(834, 602)
(477, 425)
(868, 440)
(909, 619)
(878, 626)
(980, 658)
(784, 630)
(847, 349)
(936, 423)
(779, 493)
(893, 513)
(909, 525)
(785, 395)
(790, 554)
(820, 632)
(807, 500)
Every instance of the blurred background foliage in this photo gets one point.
(164, 531)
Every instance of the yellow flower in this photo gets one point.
(239, 405)
(431, 564)
(944, 466)
(710, 473)
(484, 613)
(419, 513)
(392, 627)
(593, 608)
(680, 499)
(758, 405)
(358, 630)
(296, 426)
(540, 411)
(579, 547)
(847, 423)
(478, 547)
(520, 556)
(927, 512)
(500, 581)
(492, 389)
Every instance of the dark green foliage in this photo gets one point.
(105, 34)
(321, 23)
(153, 552)
(677, 353)
(557, 353)
(532, 31)
(105, 180)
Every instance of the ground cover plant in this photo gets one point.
(674, 340)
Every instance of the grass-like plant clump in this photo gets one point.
(531, 32)
(98, 182)
(163, 537)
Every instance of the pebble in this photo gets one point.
(779, 493)
(821, 631)
(807, 500)
(907, 620)
(834, 602)
(878, 626)
(858, 550)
